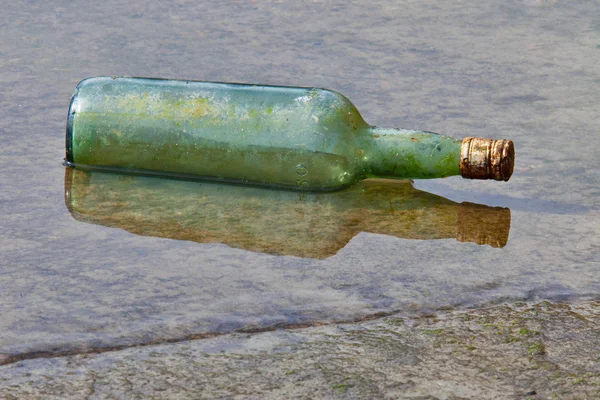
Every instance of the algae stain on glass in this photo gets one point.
(312, 139)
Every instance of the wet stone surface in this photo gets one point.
(108, 272)
(523, 351)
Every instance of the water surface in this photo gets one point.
(73, 278)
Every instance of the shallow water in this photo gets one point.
(99, 276)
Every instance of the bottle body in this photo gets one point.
(300, 138)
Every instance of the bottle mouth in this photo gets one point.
(482, 158)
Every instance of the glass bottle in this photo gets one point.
(301, 224)
(290, 137)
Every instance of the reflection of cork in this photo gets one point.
(483, 224)
(487, 159)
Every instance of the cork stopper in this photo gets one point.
(483, 225)
(482, 158)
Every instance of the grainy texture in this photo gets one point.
(524, 351)
(524, 70)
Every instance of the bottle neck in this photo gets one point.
(405, 154)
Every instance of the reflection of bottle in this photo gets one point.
(312, 225)
(300, 138)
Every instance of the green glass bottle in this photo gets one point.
(314, 225)
(299, 138)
